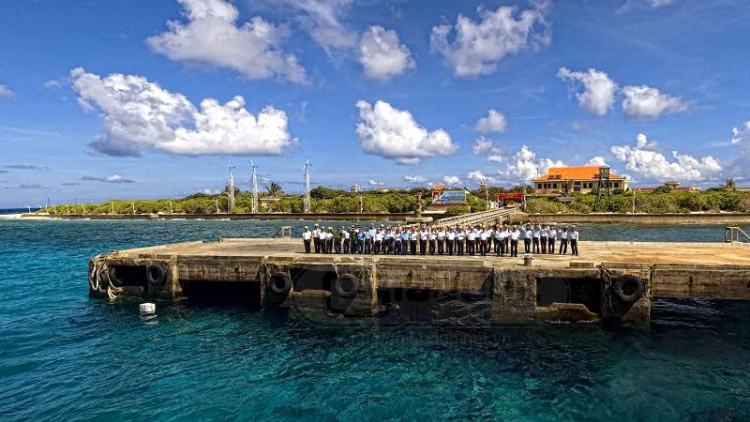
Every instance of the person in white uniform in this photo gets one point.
(460, 237)
(514, 236)
(316, 237)
(528, 234)
(471, 237)
(451, 236)
(573, 237)
(432, 238)
(537, 232)
(551, 238)
(306, 238)
(564, 237)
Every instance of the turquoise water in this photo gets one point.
(66, 357)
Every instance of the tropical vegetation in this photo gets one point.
(327, 200)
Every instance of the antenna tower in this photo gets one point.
(230, 205)
(254, 181)
(306, 179)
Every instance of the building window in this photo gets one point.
(617, 185)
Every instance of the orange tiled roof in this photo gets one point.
(575, 173)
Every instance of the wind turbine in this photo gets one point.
(306, 180)
(254, 181)
(230, 205)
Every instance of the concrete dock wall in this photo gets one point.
(519, 295)
(616, 282)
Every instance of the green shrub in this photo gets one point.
(458, 210)
(543, 206)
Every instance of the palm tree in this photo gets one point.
(274, 189)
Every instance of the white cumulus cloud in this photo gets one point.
(478, 177)
(496, 156)
(372, 182)
(114, 178)
(5, 92)
(416, 180)
(212, 36)
(493, 122)
(525, 166)
(741, 134)
(451, 180)
(321, 18)
(382, 55)
(653, 165)
(392, 133)
(478, 47)
(598, 93)
(597, 161)
(139, 114)
(481, 145)
(645, 102)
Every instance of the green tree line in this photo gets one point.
(324, 200)
(661, 202)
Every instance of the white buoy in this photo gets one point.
(147, 309)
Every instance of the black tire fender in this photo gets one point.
(345, 286)
(628, 288)
(280, 283)
(156, 274)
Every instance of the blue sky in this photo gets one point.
(141, 99)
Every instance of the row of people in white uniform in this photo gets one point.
(542, 239)
(442, 240)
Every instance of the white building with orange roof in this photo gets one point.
(566, 180)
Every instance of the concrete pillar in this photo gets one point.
(268, 271)
(626, 295)
(365, 302)
(170, 289)
(518, 299)
(317, 290)
(513, 296)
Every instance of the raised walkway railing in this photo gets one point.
(284, 232)
(735, 234)
(482, 217)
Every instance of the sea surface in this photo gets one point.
(17, 210)
(65, 357)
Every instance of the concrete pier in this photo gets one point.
(609, 281)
